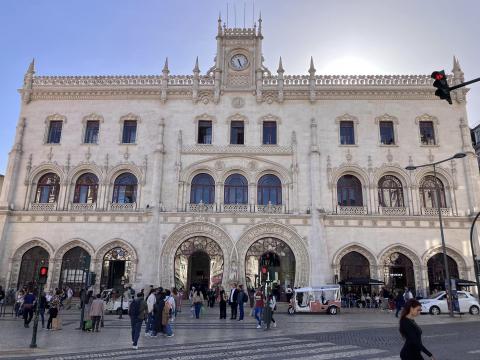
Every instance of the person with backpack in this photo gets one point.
(242, 299)
(157, 314)
(137, 312)
(149, 330)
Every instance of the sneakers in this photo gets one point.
(274, 324)
(259, 326)
(134, 347)
(171, 335)
(147, 334)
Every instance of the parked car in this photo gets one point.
(437, 303)
(113, 302)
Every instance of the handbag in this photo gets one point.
(57, 323)
(203, 311)
(88, 325)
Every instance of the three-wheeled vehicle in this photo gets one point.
(319, 299)
(113, 302)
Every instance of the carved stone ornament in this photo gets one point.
(389, 156)
(238, 102)
(348, 156)
(346, 117)
(252, 166)
(386, 117)
(219, 165)
(431, 157)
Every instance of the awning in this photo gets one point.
(360, 281)
(463, 282)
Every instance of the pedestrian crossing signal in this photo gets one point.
(42, 275)
(443, 90)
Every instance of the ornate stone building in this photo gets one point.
(182, 179)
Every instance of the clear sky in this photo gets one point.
(111, 37)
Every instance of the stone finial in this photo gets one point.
(260, 25)
(31, 67)
(219, 27)
(312, 69)
(196, 69)
(457, 70)
(280, 66)
(165, 67)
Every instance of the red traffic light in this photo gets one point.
(43, 271)
(437, 75)
(264, 269)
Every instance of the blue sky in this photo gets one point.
(92, 37)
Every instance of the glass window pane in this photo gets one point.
(91, 132)
(54, 132)
(347, 134)
(204, 132)
(129, 132)
(269, 132)
(237, 132)
(427, 133)
(386, 133)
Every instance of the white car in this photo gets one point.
(437, 303)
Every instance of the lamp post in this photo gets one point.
(474, 255)
(437, 200)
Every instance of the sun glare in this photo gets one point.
(351, 65)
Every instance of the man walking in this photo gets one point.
(137, 312)
(259, 304)
(68, 302)
(96, 312)
(242, 298)
(151, 299)
(28, 302)
(232, 300)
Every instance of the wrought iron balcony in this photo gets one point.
(351, 210)
(83, 206)
(434, 211)
(123, 206)
(43, 206)
(393, 210)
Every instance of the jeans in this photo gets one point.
(41, 312)
(27, 314)
(136, 329)
(233, 307)
(258, 315)
(168, 329)
(242, 313)
(150, 328)
(398, 310)
(198, 306)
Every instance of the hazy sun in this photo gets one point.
(350, 65)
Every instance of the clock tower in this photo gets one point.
(239, 62)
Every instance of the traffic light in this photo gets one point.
(443, 90)
(42, 275)
(91, 279)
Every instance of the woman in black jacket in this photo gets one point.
(412, 333)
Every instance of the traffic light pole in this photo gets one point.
(464, 84)
(33, 343)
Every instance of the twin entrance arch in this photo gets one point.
(234, 252)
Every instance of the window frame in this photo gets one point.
(423, 122)
(392, 124)
(278, 189)
(343, 122)
(243, 188)
(123, 132)
(342, 187)
(198, 131)
(422, 191)
(203, 188)
(39, 193)
(436, 129)
(231, 131)
(390, 189)
(116, 193)
(54, 118)
(90, 187)
(263, 132)
(347, 117)
(86, 132)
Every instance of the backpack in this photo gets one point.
(134, 310)
(245, 297)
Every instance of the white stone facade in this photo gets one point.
(308, 159)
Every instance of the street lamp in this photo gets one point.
(437, 199)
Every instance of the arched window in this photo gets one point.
(48, 188)
(236, 190)
(32, 260)
(427, 192)
(86, 189)
(125, 189)
(436, 271)
(349, 191)
(202, 190)
(354, 266)
(269, 189)
(390, 192)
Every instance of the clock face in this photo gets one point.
(239, 62)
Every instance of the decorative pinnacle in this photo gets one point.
(196, 69)
(312, 68)
(219, 29)
(456, 65)
(260, 24)
(31, 67)
(280, 66)
(165, 67)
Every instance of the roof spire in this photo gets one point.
(260, 24)
(219, 28)
(457, 71)
(312, 68)
(280, 66)
(31, 67)
(165, 67)
(196, 69)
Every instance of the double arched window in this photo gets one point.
(236, 190)
(269, 190)
(48, 188)
(86, 189)
(203, 189)
(125, 189)
(427, 192)
(349, 191)
(390, 192)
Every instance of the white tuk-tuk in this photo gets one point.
(319, 299)
(113, 301)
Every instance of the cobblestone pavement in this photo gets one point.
(353, 334)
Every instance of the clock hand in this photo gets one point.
(239, 63)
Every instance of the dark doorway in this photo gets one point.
(75, 266)
(32, 260)
(399, 272)
(199, 270)
(116, 267)
(436, 272)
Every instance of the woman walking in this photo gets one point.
(412, 333)
(197, 302)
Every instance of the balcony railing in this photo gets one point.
(351, 210)
(236, 208)
(434, 211)
(43, 206)
(393, 211)
(83, 206)
(123, 206)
